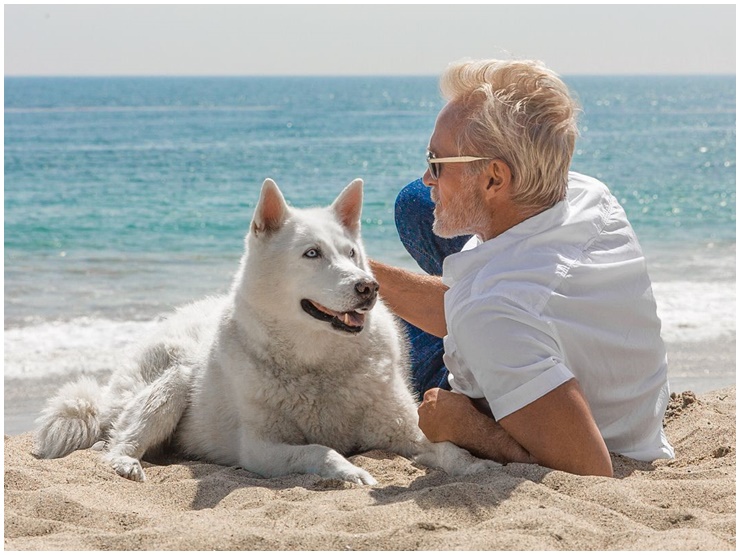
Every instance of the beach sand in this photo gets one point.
(78, 503)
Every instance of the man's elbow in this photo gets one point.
(583, 466)
(601, 466)
(604, 469)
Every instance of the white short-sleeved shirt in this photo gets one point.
(563, 294)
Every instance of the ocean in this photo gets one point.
(125, 197)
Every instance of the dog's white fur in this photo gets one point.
(251, 379)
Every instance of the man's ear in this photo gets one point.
(348, 206)
(498, 174)
(271, 211)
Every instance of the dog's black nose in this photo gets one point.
(366, 288)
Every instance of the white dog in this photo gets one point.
(298, 366)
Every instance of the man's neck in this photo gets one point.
(504, 218)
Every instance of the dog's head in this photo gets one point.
(308, 266)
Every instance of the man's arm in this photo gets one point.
(556, 431)
(560, 432)
(448, 416)
(417, 298)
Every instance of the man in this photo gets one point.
(551, 337)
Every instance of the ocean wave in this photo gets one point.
(693, 311)
(83, 345)
(689, 311)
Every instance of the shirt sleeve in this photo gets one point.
(513, 355)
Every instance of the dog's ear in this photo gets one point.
(271, 211)
(348, 206)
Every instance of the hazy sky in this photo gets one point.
(348, 39)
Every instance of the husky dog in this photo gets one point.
(299, 365)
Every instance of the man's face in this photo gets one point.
(459, 205)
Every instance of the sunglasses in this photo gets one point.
(435, 164)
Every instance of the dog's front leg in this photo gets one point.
(278, 459)
(454, 460)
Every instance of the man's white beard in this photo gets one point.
(465, 214)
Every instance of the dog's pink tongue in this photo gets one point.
(352, 319)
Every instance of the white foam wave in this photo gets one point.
(82, 345)
(693, 311)
(689, 311)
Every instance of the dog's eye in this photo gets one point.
(312, 253)
(352, 253)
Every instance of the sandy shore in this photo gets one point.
(685, 504)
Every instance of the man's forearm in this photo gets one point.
(487, 439)
(448, 416)
(417, 298)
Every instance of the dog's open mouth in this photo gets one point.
(351, 322)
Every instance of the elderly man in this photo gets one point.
(552, 346)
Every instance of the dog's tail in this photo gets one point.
(70, 421)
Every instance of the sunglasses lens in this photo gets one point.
(434, 169)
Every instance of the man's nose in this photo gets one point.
(427, 179)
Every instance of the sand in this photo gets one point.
(78, 503)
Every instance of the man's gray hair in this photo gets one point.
(520, 112)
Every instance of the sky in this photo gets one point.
(375, 39)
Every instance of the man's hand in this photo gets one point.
(447, 416)
(440, 412)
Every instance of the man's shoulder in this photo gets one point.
(586, 196)
(502, 293)
(578, 181)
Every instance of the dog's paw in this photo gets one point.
(481, 465)
(128, 467)
(454, 460)
(342, 469)
(358, 476)
(336, 466)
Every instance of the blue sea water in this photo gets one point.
(125, 197)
